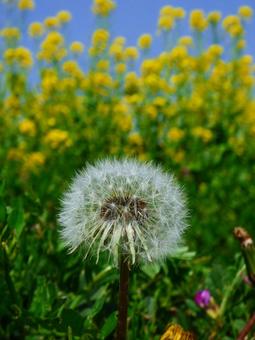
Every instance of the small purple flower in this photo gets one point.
(203, 298)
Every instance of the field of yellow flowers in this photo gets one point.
(190, 108)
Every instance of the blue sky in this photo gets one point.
(133, 17)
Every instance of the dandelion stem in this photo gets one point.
(123, 299)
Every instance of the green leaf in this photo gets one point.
(43, 298)
(151, 269)
(109, 325)
(2, 211)
(16, 219)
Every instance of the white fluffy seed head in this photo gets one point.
(124, 207)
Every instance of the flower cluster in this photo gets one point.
(190, 107)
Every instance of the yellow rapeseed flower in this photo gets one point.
(103, 65)
(236, 31)
(246, 12)
(119, 41)
(166, 11)
(132, 83)
(230, 20)
(58, 139)
(64, 17)
(241, 44)
(100, 37)
(103, 7)
(77, 47)
(35, 29)
(52, 47)
(51, 22)
(135, 138)
(151, 111)
(215, 51)
(185, 41)
(198, 20)
(203, 133)
(117, 52)
(175, 134)
(26, 5)
(20, 55)
(120, 68)
(179, 13)
(27, 127)
(214, 17)
(131, 53)
(71, 67)
(150, 66)
(144, 41)
(165, 22)
(10, 33)
(33, 162)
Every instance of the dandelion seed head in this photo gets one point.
(124, 207)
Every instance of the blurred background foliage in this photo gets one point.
(191, 108)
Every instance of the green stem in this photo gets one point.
(230, 289)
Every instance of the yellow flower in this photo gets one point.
(49, 82)
(215, 51)
(119, 41)
(166, 11)
(52, 47)
(144, 42)
(165, 22)
(246, 12)
(175, 332)
(236, 31)
(175, 134)
(178, 12)
(103, 65)
(132, 83)
(150, 66)
(120, 68)
(103, 7)
(135, 138)
(64, 17)
(71, 67)
(77, 47)
(35, 29)
(58, 139)
(151, 111)
(10, 33)
(214, 17)
(186, 41)
(159, 101)
(20, 55)
(241, 44)
(51, 22)
(33, 162)
(27, 127)
(203, 133)
(117, 52)
(26, 5)
(197, 20)
(229, 21)
(100, 37)
(15, 154)
(131, 53)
